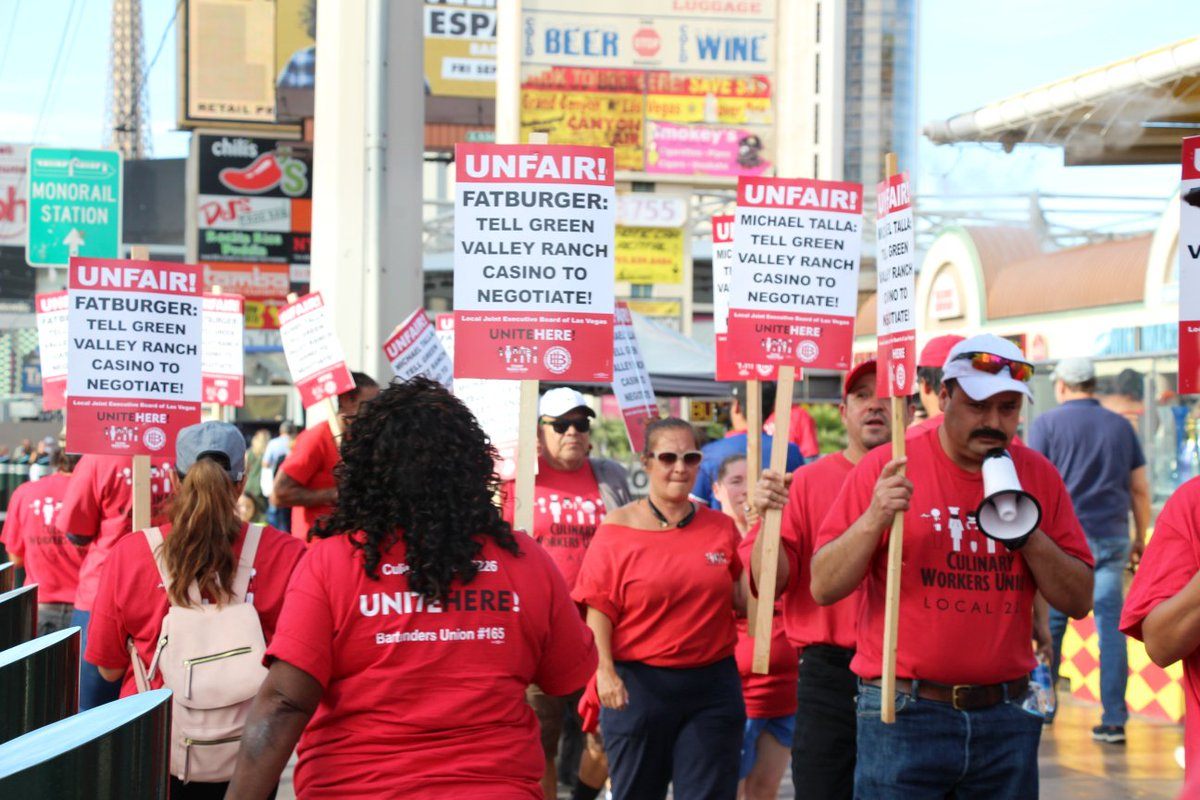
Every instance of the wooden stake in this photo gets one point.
(769, 534)
(141, 463)
(754, 423)
(891, 614)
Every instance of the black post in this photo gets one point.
(18, 616)
(112, 752)
(39, 683)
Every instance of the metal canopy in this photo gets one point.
(1133, 111)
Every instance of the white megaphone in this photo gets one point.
(1008, 513)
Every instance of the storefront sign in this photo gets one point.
(729, 367)
(945, 297)
(223, 372)
(314, 354)
(1189, 269)
(649, 255)
(414, 349)
(133, 355)
(52, 348)
(631, 381)
(533, 262)
(460, 48)
(14, 198)
(895, 307)
(794, 293)
(647, 210)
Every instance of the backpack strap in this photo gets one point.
(245, 567)
(154, 538)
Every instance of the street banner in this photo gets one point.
(729, 368)
(133, 355)
(1189, 269)
(794, 291)
(14, 199)
(414, 349)
(52, 348)
(631, 381)
(222, 370)
(314, 354)
(533, 262)
(75, 203)
(895, 309)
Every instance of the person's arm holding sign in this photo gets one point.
(840, 566)
(290, 493)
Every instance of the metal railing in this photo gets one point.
(39, 683)
(18, 616)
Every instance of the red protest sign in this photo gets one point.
(729, 366)
(794, 292)
(314, 354)
(222, 370)
(895, 309)
(1189, 269)
(631, 381)
(133, 355)
(414, 349)
(534, 230)
(52, 348)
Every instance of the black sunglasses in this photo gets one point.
(690, 459)
(581, 424)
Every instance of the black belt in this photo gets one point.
(962, 696)
(828, 654)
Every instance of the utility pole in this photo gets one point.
(126, 111)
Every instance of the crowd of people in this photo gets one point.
(357, 593)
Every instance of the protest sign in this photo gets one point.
(631, 381)
(314, 354)
(222, 372)
(729, 367)
(794, 291)
(1189, 269)
(895, 309)
(414, 349)
(533, 262)
(52, 348)
(133, 355)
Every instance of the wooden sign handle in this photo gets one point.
(141, 463)
(891, 613)
(526, 458)
(754, 424)
(769, 534)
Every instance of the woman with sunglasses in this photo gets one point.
(660, 582)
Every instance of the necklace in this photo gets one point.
(666, 523)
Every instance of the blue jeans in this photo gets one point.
(280, 518)
(1111, 554)
(933, 752)
(93, 689)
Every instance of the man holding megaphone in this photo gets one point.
(987, 524)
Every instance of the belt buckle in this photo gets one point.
(954, 695)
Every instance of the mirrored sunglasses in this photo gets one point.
(994, 365)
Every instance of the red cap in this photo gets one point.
(937, 349)
(865, 368)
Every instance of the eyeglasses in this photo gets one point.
(581, 424)
(993, 364)
(691, 458)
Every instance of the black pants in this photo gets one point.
(203, 791)
(823, 749)
(682, 727)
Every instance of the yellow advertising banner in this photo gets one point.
(460, 49)
(649, 255)
(606, 119)
(656, 308)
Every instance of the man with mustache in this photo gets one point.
(966, 722)
(823, 740)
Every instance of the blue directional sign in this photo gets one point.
(74, 205)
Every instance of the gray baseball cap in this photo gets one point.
(1075, 370)
(211, 438)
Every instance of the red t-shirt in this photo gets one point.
(310, 464)
(966, 603)
(813, 486)
(427, 700)
(99, 506)
(802, 432)
(132, 601)
(774, 694)
(924, 426)
(668, 593)
(51, 561)
(1171, 560)
(567, 508)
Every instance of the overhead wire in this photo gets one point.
(62, 42)
(12, 27)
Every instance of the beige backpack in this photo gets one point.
(211, 658)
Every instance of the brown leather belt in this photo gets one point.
(962, 696)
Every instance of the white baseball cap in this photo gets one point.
(562, 400)
(978, 384)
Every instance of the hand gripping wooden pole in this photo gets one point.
(769, 534)
(527, 443)
(754, 425)
(891, 614)
(141, 463)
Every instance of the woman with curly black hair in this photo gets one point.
(412, 627)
